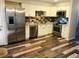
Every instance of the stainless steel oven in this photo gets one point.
(57, 30)
(33, 31)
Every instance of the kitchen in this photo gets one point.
(38, 23)
(34, 20)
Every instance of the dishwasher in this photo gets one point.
(33, 31)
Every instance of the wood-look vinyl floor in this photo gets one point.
(40, 48)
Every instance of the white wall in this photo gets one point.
(64, 6)
(75, 8)
(30, 8)
(3, 32)
(51, 11)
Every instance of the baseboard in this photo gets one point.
(45, 35)
(70, 39)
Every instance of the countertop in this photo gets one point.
(35, 24)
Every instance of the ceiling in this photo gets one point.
(46, 1)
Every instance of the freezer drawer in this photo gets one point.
(12, 38)
(20, 33)
(20, 37)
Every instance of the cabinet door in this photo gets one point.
(50, 28)
(41, 30)
(44, 29)
(27, 32)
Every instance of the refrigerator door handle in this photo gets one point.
(1, 28)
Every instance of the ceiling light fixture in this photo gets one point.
(55, 0)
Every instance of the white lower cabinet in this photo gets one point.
(40, 30)
(45, 29)
(27, 32)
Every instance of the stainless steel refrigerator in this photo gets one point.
(16, 24)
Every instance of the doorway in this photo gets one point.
(77, 26)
